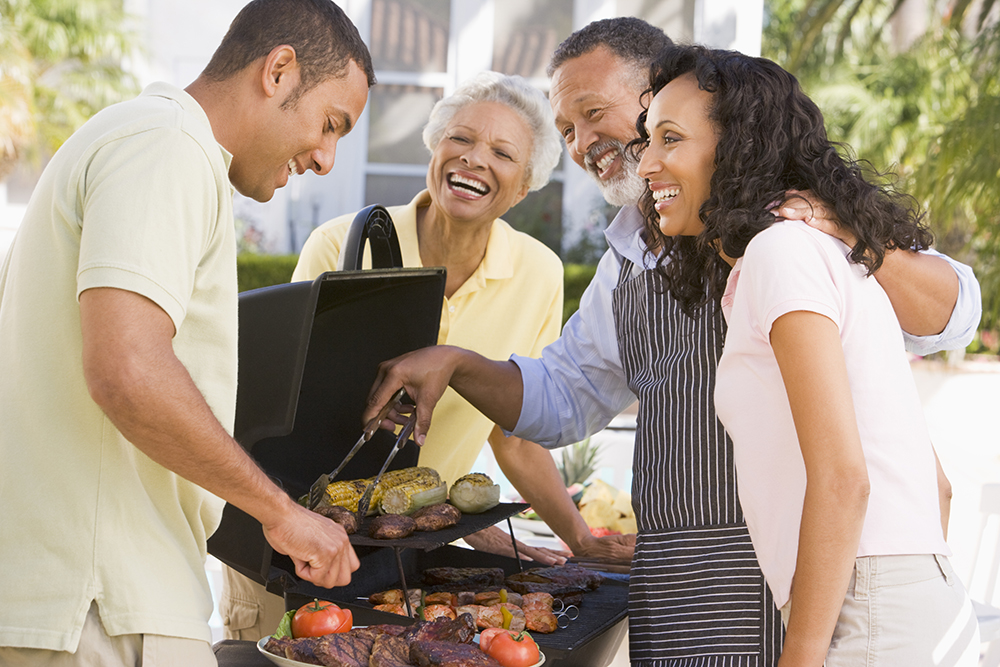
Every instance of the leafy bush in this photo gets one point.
(576, 277)
(253, 271)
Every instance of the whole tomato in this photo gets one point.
(513, 649)
(320, 618)
(486, 637)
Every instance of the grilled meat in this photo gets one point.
(341, 515)
(461, 629)
(449, 654)
(345, 649)
(484, 617)
(391, 596)
(303, 650)
(441, 597)
(390, 608)
(564, 575)
(392, 527)
(437, 517)
(390, 651)
(463, 578)
(434, 611)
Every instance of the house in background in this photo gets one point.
(421, 50)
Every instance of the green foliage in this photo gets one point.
(60, 63)
(576, 277)
(928, 111)
(579, 461)
(253, 271)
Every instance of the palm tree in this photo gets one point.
(60, 62)
(927, 109)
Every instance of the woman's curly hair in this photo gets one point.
(771, 139)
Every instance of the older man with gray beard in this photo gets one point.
(696, 596)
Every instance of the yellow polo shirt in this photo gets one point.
(512, 304)
(138, 199)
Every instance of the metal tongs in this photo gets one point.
(366, 497)
(318, 488)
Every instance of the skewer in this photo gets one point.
(513, 542)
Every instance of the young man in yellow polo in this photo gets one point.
(118, 330)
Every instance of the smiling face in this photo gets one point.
(478, 169)
(680, 159)
(291, 139)
(595, 100)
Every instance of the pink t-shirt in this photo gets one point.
(791, 267)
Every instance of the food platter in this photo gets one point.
(288, 662)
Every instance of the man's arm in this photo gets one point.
(133, 374)
(533, 472)
(922, 288)
(492, 387)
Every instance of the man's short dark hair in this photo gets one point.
(324, 38)
(629, 38)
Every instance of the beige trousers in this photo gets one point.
(248, 611)
(98, 649)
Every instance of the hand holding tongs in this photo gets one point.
(366, 497)
(318, 488)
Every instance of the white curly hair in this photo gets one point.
(514, 91)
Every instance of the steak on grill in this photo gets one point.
(461, 630)
(437, 517)
(463, 578)
(448, 654)
(345, 649)
(390, 651)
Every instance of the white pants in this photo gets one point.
(905, 611)
(248, 611)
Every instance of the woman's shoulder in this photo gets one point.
(792, 238)
(526, 248)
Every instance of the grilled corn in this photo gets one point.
(474, 493)
(409, 497)
(348, 493)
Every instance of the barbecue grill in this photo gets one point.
(308, 354)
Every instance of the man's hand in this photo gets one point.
(495, 541)
(803, 205)
(610, 547)
(319, 547)
(492, 387)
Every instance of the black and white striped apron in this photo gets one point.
(696, 594)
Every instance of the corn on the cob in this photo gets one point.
(345, 493)
(407, 498)
(348, 493)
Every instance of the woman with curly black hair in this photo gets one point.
(836, 470)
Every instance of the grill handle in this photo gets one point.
(372, 225)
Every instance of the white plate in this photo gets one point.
(288, 662)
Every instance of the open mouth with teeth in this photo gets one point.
(468, 185)
(603, 165)
(665, 194)
(293, 169)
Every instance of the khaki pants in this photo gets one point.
(248, 611)
(97, 649)
(910, 611)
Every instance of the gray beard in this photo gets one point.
(625, 189)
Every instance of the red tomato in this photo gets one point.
(320, 618)
(487, 636)
(513, 649)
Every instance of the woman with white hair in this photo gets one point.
(492, 141)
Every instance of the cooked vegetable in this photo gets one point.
(345, 493)
(348, 493)
(408, 497)
(474, 493)
(320, 618)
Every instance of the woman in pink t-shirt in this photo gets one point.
(837, 475)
